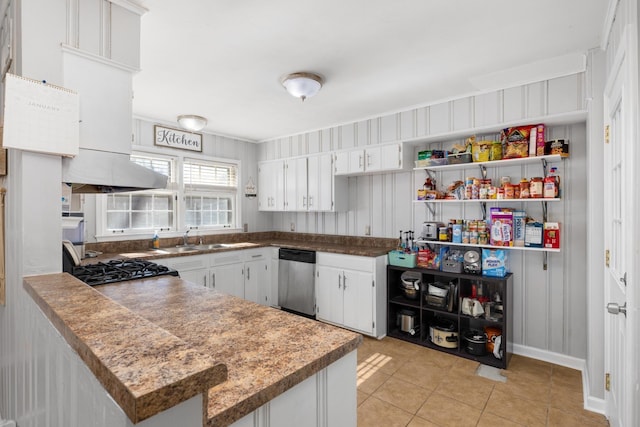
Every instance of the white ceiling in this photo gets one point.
(224, 59)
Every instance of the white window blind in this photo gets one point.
(209, 175)
(156, 164)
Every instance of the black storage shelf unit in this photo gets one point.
(426, 314)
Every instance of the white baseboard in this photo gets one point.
(591, 403)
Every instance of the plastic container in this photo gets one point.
(402, 259)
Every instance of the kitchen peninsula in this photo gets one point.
(154, 343)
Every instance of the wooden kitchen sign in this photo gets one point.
(175, 138)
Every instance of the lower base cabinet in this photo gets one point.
(472, 321)
(350, 292)
(244, 273)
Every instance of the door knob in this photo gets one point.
(614, 308)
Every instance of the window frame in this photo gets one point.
(176, 187)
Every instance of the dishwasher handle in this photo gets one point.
(299, 255)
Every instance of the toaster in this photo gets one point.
(430, 230)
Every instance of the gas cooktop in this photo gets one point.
(119, 271)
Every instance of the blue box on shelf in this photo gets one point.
(402, 259)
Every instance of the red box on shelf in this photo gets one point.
(552, 235)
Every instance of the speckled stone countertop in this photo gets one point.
(266, 351)
(349, 245)
(145, 368)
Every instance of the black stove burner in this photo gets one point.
(120, 270)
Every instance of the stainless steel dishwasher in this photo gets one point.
(296, 281)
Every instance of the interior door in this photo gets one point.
(620, 107)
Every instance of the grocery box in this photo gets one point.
(402, 259)
(431, 259)
(557, 146)
(515, 141)
(552, 235)
(519, 222)
(495, 262)
(533, 235)
(501, 227)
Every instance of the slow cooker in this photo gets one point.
(475, 342)
(410, 284)
(443, 333)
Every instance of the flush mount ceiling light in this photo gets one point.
(302, 85)
(191, 122)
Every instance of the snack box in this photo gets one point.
(402, 259)
(515, 141)
(494, 262)
(552, 235)
(557, 146)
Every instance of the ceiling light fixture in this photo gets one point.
(191, 122)
(302, 85)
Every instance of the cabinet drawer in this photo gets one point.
(186, 263)
(232, 257)
(350, 262)
(256, 254)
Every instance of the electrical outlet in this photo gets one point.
(367, 230)
(293, 226)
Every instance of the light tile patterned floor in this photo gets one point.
(403, 384)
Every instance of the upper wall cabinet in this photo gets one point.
(372, 159)
(300, 184)
(271, 185)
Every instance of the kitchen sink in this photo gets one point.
(214, 246)
(180, 249)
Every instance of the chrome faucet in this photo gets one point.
(185, 242)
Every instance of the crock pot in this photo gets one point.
(443, 333)
(475, 342)
(410, 284)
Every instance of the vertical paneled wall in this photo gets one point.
(549, 305)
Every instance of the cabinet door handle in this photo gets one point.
(310, 201)
(304, 201)
(248, 273)
(368, 159)
(360, 165)
(344, 281)
(205, 280)
(213, 280)
(339, 281)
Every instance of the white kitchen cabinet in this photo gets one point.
(372, 159)
(329, 294)
(350, 292)
(326, 193)
(229, 279)
(301, 184)
(257, 276)
(243, 273)
(271, 185)
(295, 172)
(193, 269)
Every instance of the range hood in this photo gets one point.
(94, 171)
